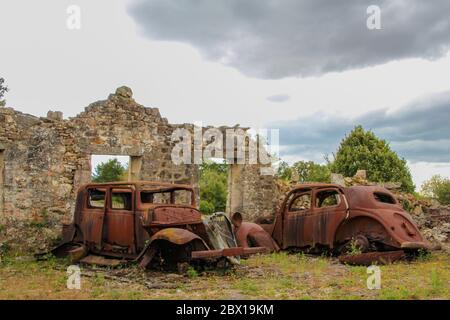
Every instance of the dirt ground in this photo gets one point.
(272, 276)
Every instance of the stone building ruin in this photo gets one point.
(44, 160)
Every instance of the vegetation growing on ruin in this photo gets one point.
(437, 187)
(362, 150)
(3, 90)
(304, 171)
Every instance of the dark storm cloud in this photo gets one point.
(279, 98)
(419, 131)
(275, 39)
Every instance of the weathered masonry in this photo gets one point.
(43, 161)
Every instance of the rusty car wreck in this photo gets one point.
(152, 223)
(362, 224)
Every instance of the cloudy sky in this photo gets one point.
(311, 68)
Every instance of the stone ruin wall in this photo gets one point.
(43, 161)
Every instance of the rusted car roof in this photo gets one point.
(357, 196)
(140, 185)
(311, 185)
(364, 197)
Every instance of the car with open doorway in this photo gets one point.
(361, 223)
(153, 223)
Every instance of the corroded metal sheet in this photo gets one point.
(370, 258)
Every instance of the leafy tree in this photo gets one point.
(213, 186)
(284, 171)
(437, 188)
(363, 150)
(304, 171)
(3, 90)
(309, 171)
(109, 171)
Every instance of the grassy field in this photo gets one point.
(274, 276)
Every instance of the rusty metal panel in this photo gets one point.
(175, 235)
(119, 229)
(101, 261)
(92, 227)
(369, 258)
(175, 215)
(205, 254)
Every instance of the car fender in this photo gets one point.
(249, 234)
(175, 236)
(368, 224)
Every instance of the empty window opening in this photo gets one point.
(121, 200)
(384, 197)
(327, 198)
(181, 197)
(107, 168)
(96, 198)
(301, 202)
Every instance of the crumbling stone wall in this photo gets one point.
(45, 160)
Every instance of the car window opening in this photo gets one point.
(96, 198)
(121, 200)
(383, 197)
(301, 202)
(327, 198)
(181, 197)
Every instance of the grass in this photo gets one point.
(272, 276)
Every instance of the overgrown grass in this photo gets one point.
(272, 276)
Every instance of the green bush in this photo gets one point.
(213, 187)
(437, 188)
(109, 171)
(304, 171)
(363, 150)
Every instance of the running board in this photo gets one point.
(369, 258)
(101, 261)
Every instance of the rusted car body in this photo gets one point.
(250, 234)
(150, 222)
(332, 217)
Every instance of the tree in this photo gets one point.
(437, 188)
(363, 150)
(213, 186)
(3, 90)
(284, 171)
(109, 171)
(304, 171)
(308, 171)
